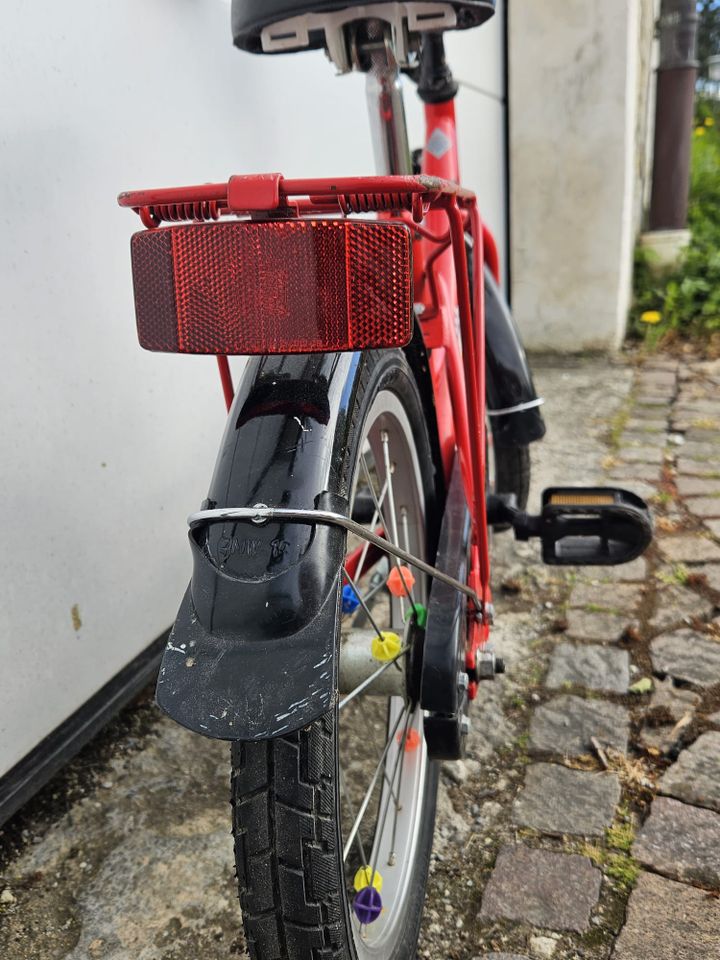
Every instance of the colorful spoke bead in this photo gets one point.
(363, 879)
(412, 740)
(420, 613)
(367, 905)
(386, 646)
(399, 581)
(350, 601)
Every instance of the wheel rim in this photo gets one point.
(382, 753)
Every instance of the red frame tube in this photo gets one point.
(226, 381)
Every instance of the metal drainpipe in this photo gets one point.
(676, 76)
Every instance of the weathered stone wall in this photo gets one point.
(580, 120)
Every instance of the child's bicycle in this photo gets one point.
(336, 626)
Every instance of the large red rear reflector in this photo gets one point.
(290, 286)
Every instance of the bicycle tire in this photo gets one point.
(285, 793)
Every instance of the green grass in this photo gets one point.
(620, 835)
(687, 296)
(678, 575)
(623, 869)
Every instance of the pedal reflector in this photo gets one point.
(574, 499)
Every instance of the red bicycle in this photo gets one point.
(336, 625)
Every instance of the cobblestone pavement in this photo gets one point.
(593, 828)
(585, 821)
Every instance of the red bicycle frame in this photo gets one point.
(442, 215)
(458, 368)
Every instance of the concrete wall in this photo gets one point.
(579, 102)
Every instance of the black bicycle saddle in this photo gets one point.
(250, 17)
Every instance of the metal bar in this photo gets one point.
(432, 188)
(226, 380)
(371, 679)
(387, 110)
(260, 515)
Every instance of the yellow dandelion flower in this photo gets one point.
(709, 122)
(651, 316)
(699, 131)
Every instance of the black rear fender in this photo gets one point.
(509, 381)
(252, 652)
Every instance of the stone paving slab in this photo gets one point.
(640, 438)
(711, 572)
(668, 705)
(703, 434)
(704, 506)
(504, 956)
(565, 725)
(681, 842)
(558, 800)
(672, 702)
(695, 776)
(627, 472)
(633, 572)
(652, 455)
(622, 597)
(689, 548)
(699, 407)
(554, 891)
(658, 378)
(697, 450)
(697, 468)
(688, 656)
(646, 426)
(589, 666)
(596, 625)
(714, 528)
(676, 605)
(650, 413)
(697, 486)
(669, 921)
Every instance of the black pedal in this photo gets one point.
(585, 526)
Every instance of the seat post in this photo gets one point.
(385, 104)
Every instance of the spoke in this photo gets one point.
(401, 752)
(346, 795)
(371, 679)
(376, 516)
(363, 603)
(378, 505)
(388, 476)
(391, 855)
(368, 793)
(380, 585)
(369, 726)
(393, 516)
(388, 533)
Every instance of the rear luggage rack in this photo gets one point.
(272, 194)
(276, 201)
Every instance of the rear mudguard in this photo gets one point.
(252, 652)
(509, 381)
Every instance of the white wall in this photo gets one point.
(105, 448)
(576, 69)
